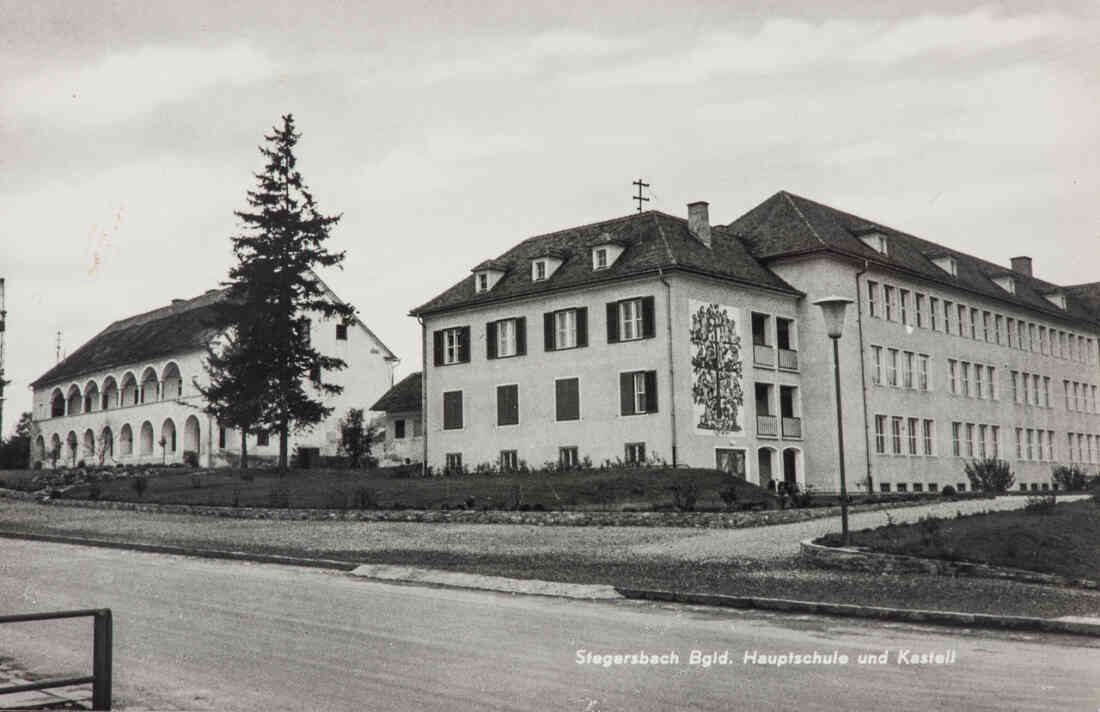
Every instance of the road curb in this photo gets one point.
(847, 610)
(388, 573)
(186, 551)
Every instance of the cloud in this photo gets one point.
(125, 85)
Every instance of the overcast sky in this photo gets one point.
(447, 133)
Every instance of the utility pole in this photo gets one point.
(639, 197)
(57, 349)
(3, 381)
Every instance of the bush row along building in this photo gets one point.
(654, 338)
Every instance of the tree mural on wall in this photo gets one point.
(716, 366)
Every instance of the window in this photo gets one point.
(452, 410)
(902, 487)
(452, 345)
(1020, 443)
(892, 368)
(567, 458)
(995, 431)
(567, 399)
(454, 462)
(928, 436)
(399, 429)
(914, 434)
(872, 299)
(880, 434)
(896, 425)
(1020, 335)
(483, 282)
(506, 337)
(973, 323)
(635, 453)
(509, 461)
(903, 300)
(638, 392)
(918, 486)
(1011, 332)
(1030, 444)
(907, 370)
(924, 385)
(630, 319)
(883, 486)
(969, 439)
(566, 329)
(933, 307)
(508, 405)
(540, 270)
(888, 299)
(922, 317)
(998, 325)
(221, 436)
(991, 379)
(982, 432)
(987, 326)
(1065, 387)
(601, 258)
(978, 389)
(341, 332)
(263, 438)
(962, 318)
(1044, 346)
(955, 432)
(1017, 394)
(947, 314)
(1033, 340)
(953, 374)
(965, 378)
(876, 367)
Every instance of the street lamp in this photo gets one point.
(833, 309)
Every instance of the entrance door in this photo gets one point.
(731, 461)
(764, 466)
(790, 473)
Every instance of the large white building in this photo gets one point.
(654, 337)
(128, 395)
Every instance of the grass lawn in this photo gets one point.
(1064, 541)
(641, 489)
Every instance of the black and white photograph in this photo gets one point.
(539, 356)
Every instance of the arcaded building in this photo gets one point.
(656, 338)
(128, 396)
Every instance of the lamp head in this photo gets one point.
(833, 309)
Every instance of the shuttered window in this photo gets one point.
(506, 337)
(452, 410)
(565, 329)
(451, 346)
(508, 405)
(567, 395)
(638, 392)
(630, 320)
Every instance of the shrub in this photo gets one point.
(989, 474)
(278, 497)
(1043, 504)
(94, 491)
(80, 464)
(729, 497)
(140, 484)
(948, 491)
(1069, 477)
(366, 498)
(684, 495)
(930, 529)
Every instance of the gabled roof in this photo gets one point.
(786, 224)
(183, 326)
(652, 241)
(403, 397)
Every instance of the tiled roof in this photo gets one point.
(1088, 295)
(652, 241)
(787, 224)
(183, 326)
(403, 397)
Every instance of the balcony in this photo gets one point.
(763, 355)
(767, 425)
(792, 427)
(788, 359)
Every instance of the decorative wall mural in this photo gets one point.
(716, 368)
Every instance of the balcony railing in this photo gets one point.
(788, 359)
(767, 425)
(792, 427)
(763, 355)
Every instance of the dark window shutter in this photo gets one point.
(507, 405)
(521, 336)
(567, 399)
(548, 336)
(452, 410)
(613, 322)
(437, 338)
(582, 326)
(626, 393)
(491, 340)
(651, 391)
(464, 339)
(649, 329)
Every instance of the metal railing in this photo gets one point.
(101, 656)
(763, 355)
(788, 359)
(792, 427)
(766, 425)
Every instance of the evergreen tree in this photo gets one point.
(237, 378)
(273, 290)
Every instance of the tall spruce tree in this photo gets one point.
(272, 293)
(238, 379)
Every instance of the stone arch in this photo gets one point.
(129, 389)
(107, 443)
(126, 440)
(110, 393)
(91, 397)
(792, 466)
(71, 446)
(38, 454)
(88, 442)
(168, 435)
(57, 403)
(145, 442)
(171, 381)
(54, 454)
(72, 400)
(768, 467)
(191, 435)
(150, 385)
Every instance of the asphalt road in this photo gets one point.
(199, 634)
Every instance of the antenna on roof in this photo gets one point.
(639, 197)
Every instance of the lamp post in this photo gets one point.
(833, 309)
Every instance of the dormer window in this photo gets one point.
(545, 263)
(601, 258)
(606, 250)
(877, 242)
(487, 274)
(540, 270)
(1057, 298)
(483, 282)
(947, 263)
(1006, 282)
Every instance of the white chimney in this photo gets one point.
(699, 220)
